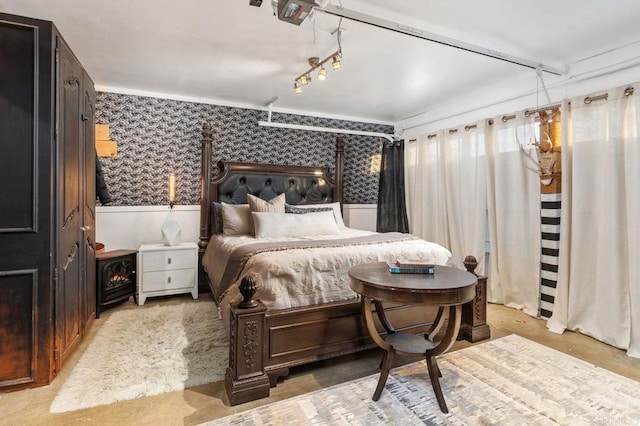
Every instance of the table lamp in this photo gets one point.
(170, 226)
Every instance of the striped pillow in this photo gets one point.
(258, 205)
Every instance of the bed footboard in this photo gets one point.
(264, 345)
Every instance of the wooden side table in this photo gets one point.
(448, 289)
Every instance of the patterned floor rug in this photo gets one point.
(508, 381)
(147, 351)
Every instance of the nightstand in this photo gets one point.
(165, 270)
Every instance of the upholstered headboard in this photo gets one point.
(301, 184)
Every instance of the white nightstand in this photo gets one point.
(164, 270)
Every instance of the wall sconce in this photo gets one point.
(376, 160)
(171, 227)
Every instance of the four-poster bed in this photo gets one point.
(265, 342)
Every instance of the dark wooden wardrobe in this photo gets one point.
(47, 202)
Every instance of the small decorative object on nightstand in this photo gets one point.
(165, 270)
(170, 227)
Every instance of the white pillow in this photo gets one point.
(268, 225)
(274, 205)
(335, 206)
(235, 219)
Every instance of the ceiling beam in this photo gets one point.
(436, 38)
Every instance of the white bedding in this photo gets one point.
(300, 277)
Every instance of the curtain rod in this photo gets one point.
(324, 129)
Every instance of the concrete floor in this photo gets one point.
(207, 402)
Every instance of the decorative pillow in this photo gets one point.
(269, 225)
(334, 206)
(235, 219)
(298, 210)
(258, 205)
(216, 226)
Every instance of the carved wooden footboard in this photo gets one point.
(264, 344)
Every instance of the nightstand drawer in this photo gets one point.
(168, 280)
(167, 259)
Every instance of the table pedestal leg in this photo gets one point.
(453, 326)
(387, 362)
(434, 372)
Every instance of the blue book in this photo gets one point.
(395, 269)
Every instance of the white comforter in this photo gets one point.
(301, 277)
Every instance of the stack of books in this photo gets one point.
(418, 266)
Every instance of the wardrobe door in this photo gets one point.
(69, 286)
(89, 200)
(25, 144)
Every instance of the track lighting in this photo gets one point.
(316, 64)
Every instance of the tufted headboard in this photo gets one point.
(301, 184)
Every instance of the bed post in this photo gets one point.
(205, 196)
(339, 170)
(474, 325)
(246, 379)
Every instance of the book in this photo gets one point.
(395, 268)
(415, 263)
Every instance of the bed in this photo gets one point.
(278, 319)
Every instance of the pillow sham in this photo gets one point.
(235, 219)
(258, 205)
(334, 206)
(270, 225)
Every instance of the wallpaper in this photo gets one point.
(157, 137)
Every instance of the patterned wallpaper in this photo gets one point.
(161, 136)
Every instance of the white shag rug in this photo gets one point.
(508, 381)
(147, 351)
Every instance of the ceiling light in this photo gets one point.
(304, 79)
(296, 88)
(322, 74)
(336, 63)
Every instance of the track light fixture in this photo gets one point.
(316, 64)
(336, 63)
(322, 74)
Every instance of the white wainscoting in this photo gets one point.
(128, 227)
(122, 227)
(360, 216)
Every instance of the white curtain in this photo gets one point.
(446, 193)
(598, 290)
(513, 199)
(424, 182)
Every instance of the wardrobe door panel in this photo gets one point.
(17, 141)
(69, 291)
(89, 198)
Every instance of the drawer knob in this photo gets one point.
(169, 280)
(169, 261)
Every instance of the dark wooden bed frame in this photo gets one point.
(264, 344)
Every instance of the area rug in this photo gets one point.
(147, 351)
(508, 381)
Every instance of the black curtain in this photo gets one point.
(392, 209)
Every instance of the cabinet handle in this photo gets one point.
(168, 280)
(169, 261)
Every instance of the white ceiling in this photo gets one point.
(229, 52)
